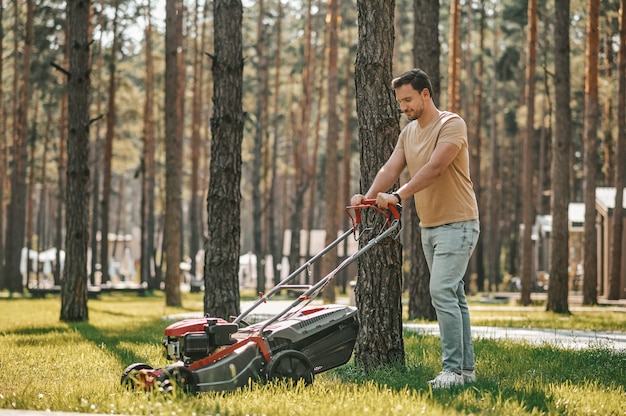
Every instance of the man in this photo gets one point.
(433, 146)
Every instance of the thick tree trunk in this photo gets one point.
(558, 288)
(74, 287)
(379, 286)
(221, 297)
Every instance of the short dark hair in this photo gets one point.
(417, 78)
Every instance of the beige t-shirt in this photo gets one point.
(451, 198)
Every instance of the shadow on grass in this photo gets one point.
(507, 371)
(147, 332)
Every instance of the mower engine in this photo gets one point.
(193, 339)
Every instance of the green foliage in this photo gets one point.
(50, 365)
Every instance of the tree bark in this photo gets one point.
(528, 214)
(379, 285)
(148, 167)
(221, 297)
(195, 223)
(3, 147)
(173, 149)
(454, 64)
(590, 138)
(616, 255)
(275, 230)
(558, 287)
(426, 51)
(257, 199)
(17, 209)
(74, 287)
(331, 220)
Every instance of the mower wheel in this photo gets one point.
(178, 377)
(130, 378)
(290, 365)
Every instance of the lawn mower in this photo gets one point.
(213, 354)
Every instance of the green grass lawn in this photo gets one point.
(49, 365)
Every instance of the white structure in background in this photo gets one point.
(41, 262)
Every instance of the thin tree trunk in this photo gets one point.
(300, 146)
(616, 255)
(528, 214)
(454, 64)
(590, 138)
(348, 98)
(426, 51)
(17, 209)
(273, 235)
(478, 265)
(61, 168)
(257, 200)
(3, 152)
(147, 187)
(173, 150)
(493, 200)
(331, 223)
(196, 121)
(108, 153)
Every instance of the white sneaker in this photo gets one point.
(446, 379)
(469, 376)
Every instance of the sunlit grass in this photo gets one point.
(49, 365)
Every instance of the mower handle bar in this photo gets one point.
(313, 290)
(371, 203)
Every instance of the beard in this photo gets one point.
(413, 114)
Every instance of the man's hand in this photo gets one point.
(357, 199)
(383, 200)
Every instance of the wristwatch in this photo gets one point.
(397, 195)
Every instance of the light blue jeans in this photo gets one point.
(448, 249)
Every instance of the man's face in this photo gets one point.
(411, 101)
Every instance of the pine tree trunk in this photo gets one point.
(173, 149)
(331, 220)
(196, 123)
(275, 231)
(558, 288)
(590, 137)
(257, 199)
(3, 146)
(379, 285)
(426, 51)
(148, 158)
(74, 287)
(528, 214)
(108, 153)
(17, 209)
(221, 297)
(615, 277)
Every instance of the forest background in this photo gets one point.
(300, 141)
